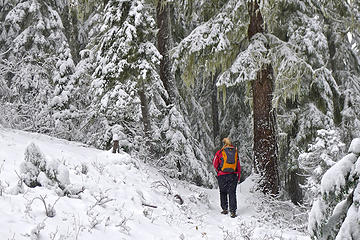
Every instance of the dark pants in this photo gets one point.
(227, 186)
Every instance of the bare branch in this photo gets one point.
(101, 199)
(163, 184)
(49, 209)
(149, 205)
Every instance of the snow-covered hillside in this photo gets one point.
(122, 198)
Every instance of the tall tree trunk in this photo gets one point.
(145, 111)
(215, 110)
(163, 45)
(265, 143)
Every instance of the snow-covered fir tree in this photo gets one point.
(320, 104)
(320, 156)
(36, 62)
(124, 60)
(75, 117)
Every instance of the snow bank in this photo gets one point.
(122, 198)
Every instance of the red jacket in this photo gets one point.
(216, 163)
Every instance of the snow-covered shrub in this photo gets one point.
(119, 133)
(101, 198)
(34, 163)
(82, 169)
(283, 214)
(163, 186)
(335, 213)
(94, 219)
(243, 231)
(320, 156)
(123, 223)
(18, 188)
(36, 170)
(35, 232)
(99, 166)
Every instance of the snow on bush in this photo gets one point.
(335, 213)
(334, 179)
(33, 164)
(355, 146)
(36, 170)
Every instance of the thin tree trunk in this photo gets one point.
(215, 110)
(69, 19)
(265, 143)
(163, 45)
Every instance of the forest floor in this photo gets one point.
(124, 198)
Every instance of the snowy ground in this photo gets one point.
(125, 199)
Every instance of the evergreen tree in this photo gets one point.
(76, 117)
(163, 46)
(223, 42)
(125, 61)
(315, 28)
(265, 141)
(36, 60)
(319, 157)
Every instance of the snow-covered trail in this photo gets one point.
(116, 203)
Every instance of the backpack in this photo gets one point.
(228, 159)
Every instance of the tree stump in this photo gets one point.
(116, 148)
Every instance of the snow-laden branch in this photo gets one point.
(247, 63)
(213, 43)
(335, 178)
(290, 68)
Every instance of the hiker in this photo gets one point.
(227, 165)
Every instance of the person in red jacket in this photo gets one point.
(228, 175)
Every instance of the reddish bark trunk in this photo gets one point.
(265, 143)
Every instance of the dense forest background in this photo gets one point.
(172, 78)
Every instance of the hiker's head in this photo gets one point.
(226, 142)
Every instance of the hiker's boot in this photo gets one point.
(233, 214)
(225, 211)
